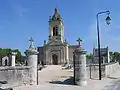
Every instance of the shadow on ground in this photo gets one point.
(112, 78)
(69, 81)
(94, 78)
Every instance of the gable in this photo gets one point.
(55, 42)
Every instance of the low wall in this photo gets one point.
(15, 76)
(106, 70)
(93, 71)
(111, 68)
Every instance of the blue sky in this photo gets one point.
(22, 19)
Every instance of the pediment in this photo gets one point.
(55, 42)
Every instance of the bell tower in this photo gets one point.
(56, 27)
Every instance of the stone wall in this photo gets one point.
(92, 71)
(111, 68)
(15, 76)
(106, 70)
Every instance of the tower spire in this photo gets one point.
(56, 15)
(56, 27)
(56, 10)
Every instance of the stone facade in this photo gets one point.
(56, 50)
(104, 55)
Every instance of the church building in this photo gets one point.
(56, 50)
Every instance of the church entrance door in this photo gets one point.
(55, 59)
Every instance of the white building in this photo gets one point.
(104, 52)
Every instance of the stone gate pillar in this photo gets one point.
(11, 57)
(80, 74)
(31, 54)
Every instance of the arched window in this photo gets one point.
(55, 31)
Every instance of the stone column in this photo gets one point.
(12, 58)
(31, 54)
(67, 57)
(66, 53)
(63, 54)
(80, 75)
(44, 60)
(108, 56)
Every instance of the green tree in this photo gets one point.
(116, 56)
(89, 56)
(111, 56)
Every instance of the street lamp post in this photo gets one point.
(108, 22)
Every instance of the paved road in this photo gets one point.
(114, 83)
(117, 85)
(52, 74)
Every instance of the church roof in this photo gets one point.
(73, 45)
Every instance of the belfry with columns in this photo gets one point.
(56, 50)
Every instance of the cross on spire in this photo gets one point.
(79, 41)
